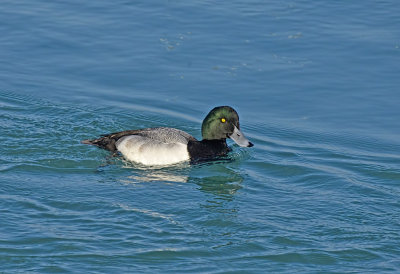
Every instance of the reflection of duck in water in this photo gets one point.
(157, 176)
(163, 146)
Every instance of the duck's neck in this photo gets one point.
(207, 149)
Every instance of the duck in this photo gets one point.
(166, 146)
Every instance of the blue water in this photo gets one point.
(316, 85)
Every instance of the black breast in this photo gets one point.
(207, 149)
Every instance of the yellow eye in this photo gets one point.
(223, 120)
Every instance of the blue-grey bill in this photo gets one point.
(239, 138)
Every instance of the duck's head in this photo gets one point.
(221, 123)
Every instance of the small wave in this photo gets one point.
(149, 213)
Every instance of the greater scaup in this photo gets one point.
(164, 146)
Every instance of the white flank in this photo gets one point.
(148, 151)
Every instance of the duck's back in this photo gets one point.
(165, 135)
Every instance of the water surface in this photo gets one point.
(317, 89)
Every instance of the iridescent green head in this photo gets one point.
(221, 123)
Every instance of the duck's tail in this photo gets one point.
(106, 142)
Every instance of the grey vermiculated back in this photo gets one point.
(166, 135)
(159, 134)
